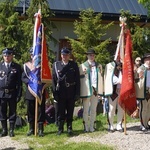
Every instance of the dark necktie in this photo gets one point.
(7, 66)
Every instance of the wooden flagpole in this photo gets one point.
(123, 24)
(36, 117)
(125, 123)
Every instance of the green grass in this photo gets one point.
(51, 141)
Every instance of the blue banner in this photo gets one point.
(35, 85)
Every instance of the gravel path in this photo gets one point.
(6, 143)
(134, 140)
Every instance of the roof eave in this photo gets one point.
(59, 14)
(105, 16)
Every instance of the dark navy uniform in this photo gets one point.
(66, 90)
(30, 99)
(10, 92)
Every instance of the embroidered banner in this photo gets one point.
(127, 98)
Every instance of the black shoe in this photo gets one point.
(60, 127)
(143, 129)
(4, 133)
(40, 133)
(111, 130)
(40, 129)
(70, 132)
(120, 130)
(148, 127)
(85, 131)
(11, 133)
(31, 132)
(59, 132)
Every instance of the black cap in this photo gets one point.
(65, 51)
(91, 51)
(145, 56)
(7, 51)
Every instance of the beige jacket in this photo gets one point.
(140, 86)
(85, 82)
(108, 78)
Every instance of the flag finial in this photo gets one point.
(122, 20)
(39, 5)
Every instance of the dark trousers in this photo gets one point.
(12, 104)
(65, 109)
(56, 112)
(31, 111)
(49, 119)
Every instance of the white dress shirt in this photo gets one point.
(117, 80)
(7, 64)
(93, 74)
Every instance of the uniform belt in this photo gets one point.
(69, 84)
(7, 90)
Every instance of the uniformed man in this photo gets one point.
(66, 88)
(30, 100)
(91, 82)
(10, 90)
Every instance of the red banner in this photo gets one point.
(127, 99)
(46, 75)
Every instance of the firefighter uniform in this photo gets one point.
(66, 88)
(30, 100)
(10, 91)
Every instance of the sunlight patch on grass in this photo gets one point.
(80, 140)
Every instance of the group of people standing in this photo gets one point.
(142, 86)
(90, 83)
(69, 83)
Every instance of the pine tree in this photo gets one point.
(28, 24)
(146, 4)
(140, 34)
(10, 28)
(11, 35)
(89, 31)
